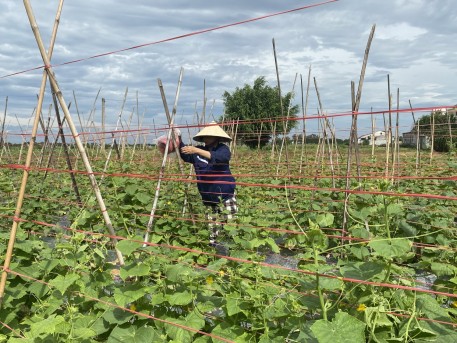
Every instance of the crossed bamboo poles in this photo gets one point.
(48, 73)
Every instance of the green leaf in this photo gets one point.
(177, 332)
(134, 270)
(117, 316)
(393, 209)
(443, 269)
(126, 246)
(362, 270)
(235, 304)
(390, 249)
(143, 198)
(62, 282)
(179, 298)
(47, 325)
(132, 334)
(325, 219)
(342, 329)
(129, 294)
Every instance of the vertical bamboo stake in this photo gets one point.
(140, 124)
(451, 145)
(326, 124)
(397, 145)
(418, 144)
(389, 130)
(355, 109)
(67, 154)
(73, 129)
(3, 124)
(103, 143)
(20, 199)
(304, 110)
(162, 167)
(174, 139)
(284, 122)
(432, 144)
(373, 129)
(204, 104)
(22, 139)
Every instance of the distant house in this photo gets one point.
(379, 139)
(410, 139)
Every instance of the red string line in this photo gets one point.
(179, 37)
(247, 184)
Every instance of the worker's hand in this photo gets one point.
(188, 149)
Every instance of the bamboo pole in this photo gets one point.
(162, 167)
(283, 142)
(103, 143)
(418, 145)
(65, 149)
(174, 139)
(284, 122)
(113, 141)
(3, 123)
(373, 129)
(355, 108)
(304, 110)
(326, 124)
(73, 129)
(389, 130)
(397, 144)
(432, 144)
(20, 199)
(90, 120)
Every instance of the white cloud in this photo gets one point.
(400, 31)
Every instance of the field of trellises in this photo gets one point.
(319, 251)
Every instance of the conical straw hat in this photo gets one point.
(212, 130)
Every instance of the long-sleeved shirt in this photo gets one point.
(215, 181)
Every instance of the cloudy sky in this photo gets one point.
(414, 44)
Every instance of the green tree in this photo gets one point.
(258, 108)
(444, 127)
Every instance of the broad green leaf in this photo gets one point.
(235, 304)
(140, 269)
(330, 283)
(342, 329)
(143, 198)
(390, 249)
(325, 219)
(393, 209)
(117, 316)
(132, 334)
(47, 325)
(62, 282)
(126, 246)
(129, 294)
(179, 298)
(83, 333)
(443, 269)
(176, 272)
(195, 320)
(231, 332)
(178, 332)
(362, 270)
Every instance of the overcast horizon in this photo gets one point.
(412, 45)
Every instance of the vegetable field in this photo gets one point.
(322, 250)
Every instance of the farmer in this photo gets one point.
(215, 182)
